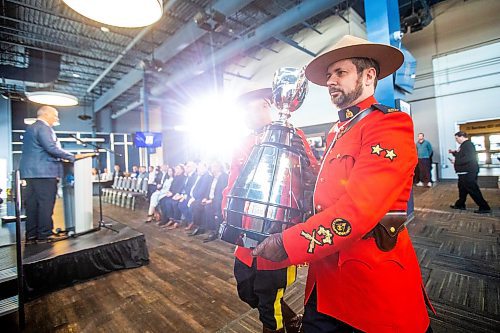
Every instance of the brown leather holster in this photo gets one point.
(387, 230)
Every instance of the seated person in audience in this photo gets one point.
(159, 172)
(116, 171)
(95, 175)
(171, 214)
(151, 181)
(199, 193)
(162, 190)
(106, 175)
(168, 204)
(135, 171)
(213, 204)
(143, 174)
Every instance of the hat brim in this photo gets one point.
(389, 59)
(264, 93)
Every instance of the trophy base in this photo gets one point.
(241, 237)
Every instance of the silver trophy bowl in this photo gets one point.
(274, 188)
(290, 87)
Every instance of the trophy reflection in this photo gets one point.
(274, 189)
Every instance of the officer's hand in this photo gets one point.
(271, 248)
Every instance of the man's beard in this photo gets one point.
(345, 100)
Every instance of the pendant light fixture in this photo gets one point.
(120, 13)
(52, 98)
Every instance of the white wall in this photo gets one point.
(450, 52)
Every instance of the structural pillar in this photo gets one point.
(382, 21)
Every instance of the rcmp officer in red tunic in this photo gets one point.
(261, 283)
(363, 270)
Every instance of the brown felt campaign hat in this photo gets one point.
(264, 93)
(388, 57)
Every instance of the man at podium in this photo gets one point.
(40, 166)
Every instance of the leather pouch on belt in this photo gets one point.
(386, 231)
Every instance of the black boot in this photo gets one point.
(293, 321)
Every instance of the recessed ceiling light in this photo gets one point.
(75, 75)
(120, 13)
(105, 29)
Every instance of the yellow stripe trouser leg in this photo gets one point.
(278, 316)
(291, 275)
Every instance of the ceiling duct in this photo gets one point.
(43, 67)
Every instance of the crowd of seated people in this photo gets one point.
(189, 196)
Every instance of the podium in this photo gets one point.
(77, 195)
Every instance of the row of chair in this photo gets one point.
(125, 191)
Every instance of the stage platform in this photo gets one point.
(51, 266)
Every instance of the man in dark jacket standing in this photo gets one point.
(467, 168)
(40, 166)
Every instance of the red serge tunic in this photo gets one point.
(366, 174)
(237, 163)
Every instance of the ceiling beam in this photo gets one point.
(294, 44)
(270, 29)
(136, 39)
(184, 37)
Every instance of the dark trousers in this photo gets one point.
(185, 211)
(198, 213)
(467, 184)
(264, 289)
(213, 216)
(424, 170)
(169, 209)
(40, 199)
(316, 322)
(151, 190)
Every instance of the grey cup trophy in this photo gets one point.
(274, 189)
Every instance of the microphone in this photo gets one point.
(78, 139)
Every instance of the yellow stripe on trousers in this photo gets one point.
(291, 275)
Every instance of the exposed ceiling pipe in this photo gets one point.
(126, 109)
(132, 43)
(186, 35)
(268, 30)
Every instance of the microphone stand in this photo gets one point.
(97, 148)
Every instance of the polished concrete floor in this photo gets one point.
(189, 287)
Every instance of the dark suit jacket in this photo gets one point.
(202, 187)
(189, 184)
(219, 188)
(42, 153)
(466, 158)
(117, 174)
(177, 184)
(158, 178)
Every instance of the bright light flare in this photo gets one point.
(119, 13)
(215, 126)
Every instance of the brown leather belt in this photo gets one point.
(386, 231)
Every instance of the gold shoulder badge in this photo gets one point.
(349, 114)
(392, 110)
(341, 227)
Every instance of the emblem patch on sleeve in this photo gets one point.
(341, 227)
(325, 237)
